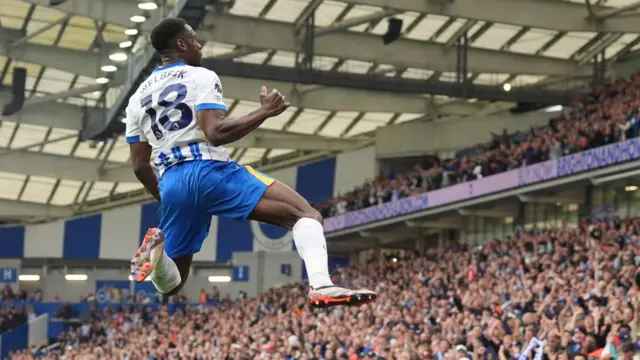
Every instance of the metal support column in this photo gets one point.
(599, 70)
(462, 47)
(304, 58)
(519, 220)
(586, 209)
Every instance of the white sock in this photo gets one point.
(308, 235)
(165, 276)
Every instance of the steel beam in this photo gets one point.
(58, 167)
(384, 83)
(545, 14)
(80, 169)
(19, 209)
(325, 98)
(88, 63)
(271, 139)
(336, 27)
(85, 63)
(39, 100)
(41, 30)
(620, 11)
(68, 116)
(404, 53)
(355, 21)
(51, 114)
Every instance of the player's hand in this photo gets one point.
(274, 103)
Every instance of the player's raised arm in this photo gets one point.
(221, 129)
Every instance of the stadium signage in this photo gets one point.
(8, 275)
(523, 178)
(271, 244)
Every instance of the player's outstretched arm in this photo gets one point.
(141, 161)
(221, 130)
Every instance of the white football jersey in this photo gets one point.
(163, 112)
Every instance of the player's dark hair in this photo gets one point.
(165, 33)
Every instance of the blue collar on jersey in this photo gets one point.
(169, 66)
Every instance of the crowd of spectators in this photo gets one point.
(8, 294)
(12, 317)
(606, 116)
(13, 314)
(556, 293)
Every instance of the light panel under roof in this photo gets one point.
(10, 185)
(252, 155)
(248, 7)
(99, 190)
(363, 126)
(427, 27)
(619, 45)
(36, 187)
(328, 11)
(309, 121)
(286, 10)
(27, 135)
(66, 192)
(339, 123)
(532, 40)
(496, 36)
(569, 44)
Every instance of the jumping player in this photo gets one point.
(178, 117)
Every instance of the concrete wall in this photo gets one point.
(627, 66)
(255, 272)
(421, 138)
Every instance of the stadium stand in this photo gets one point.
(606, 116)
(559, 291)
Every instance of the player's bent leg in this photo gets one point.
(165, 255)
(280, 205)
(167, 275)
(183, 263)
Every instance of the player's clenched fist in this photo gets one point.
(274, 103)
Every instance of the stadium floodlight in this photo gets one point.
(26, 277)
(118, 56)
(149, 5)
(554, 108)
(125, 44)
(109, 68)
(138, 18)
(131, 32)
(630, 188)
(76, 277)
(219, 279)
(506, 87)
(102, 80)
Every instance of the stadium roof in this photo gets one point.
(47, 171)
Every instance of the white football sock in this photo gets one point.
(165, 275)
(308, 235)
